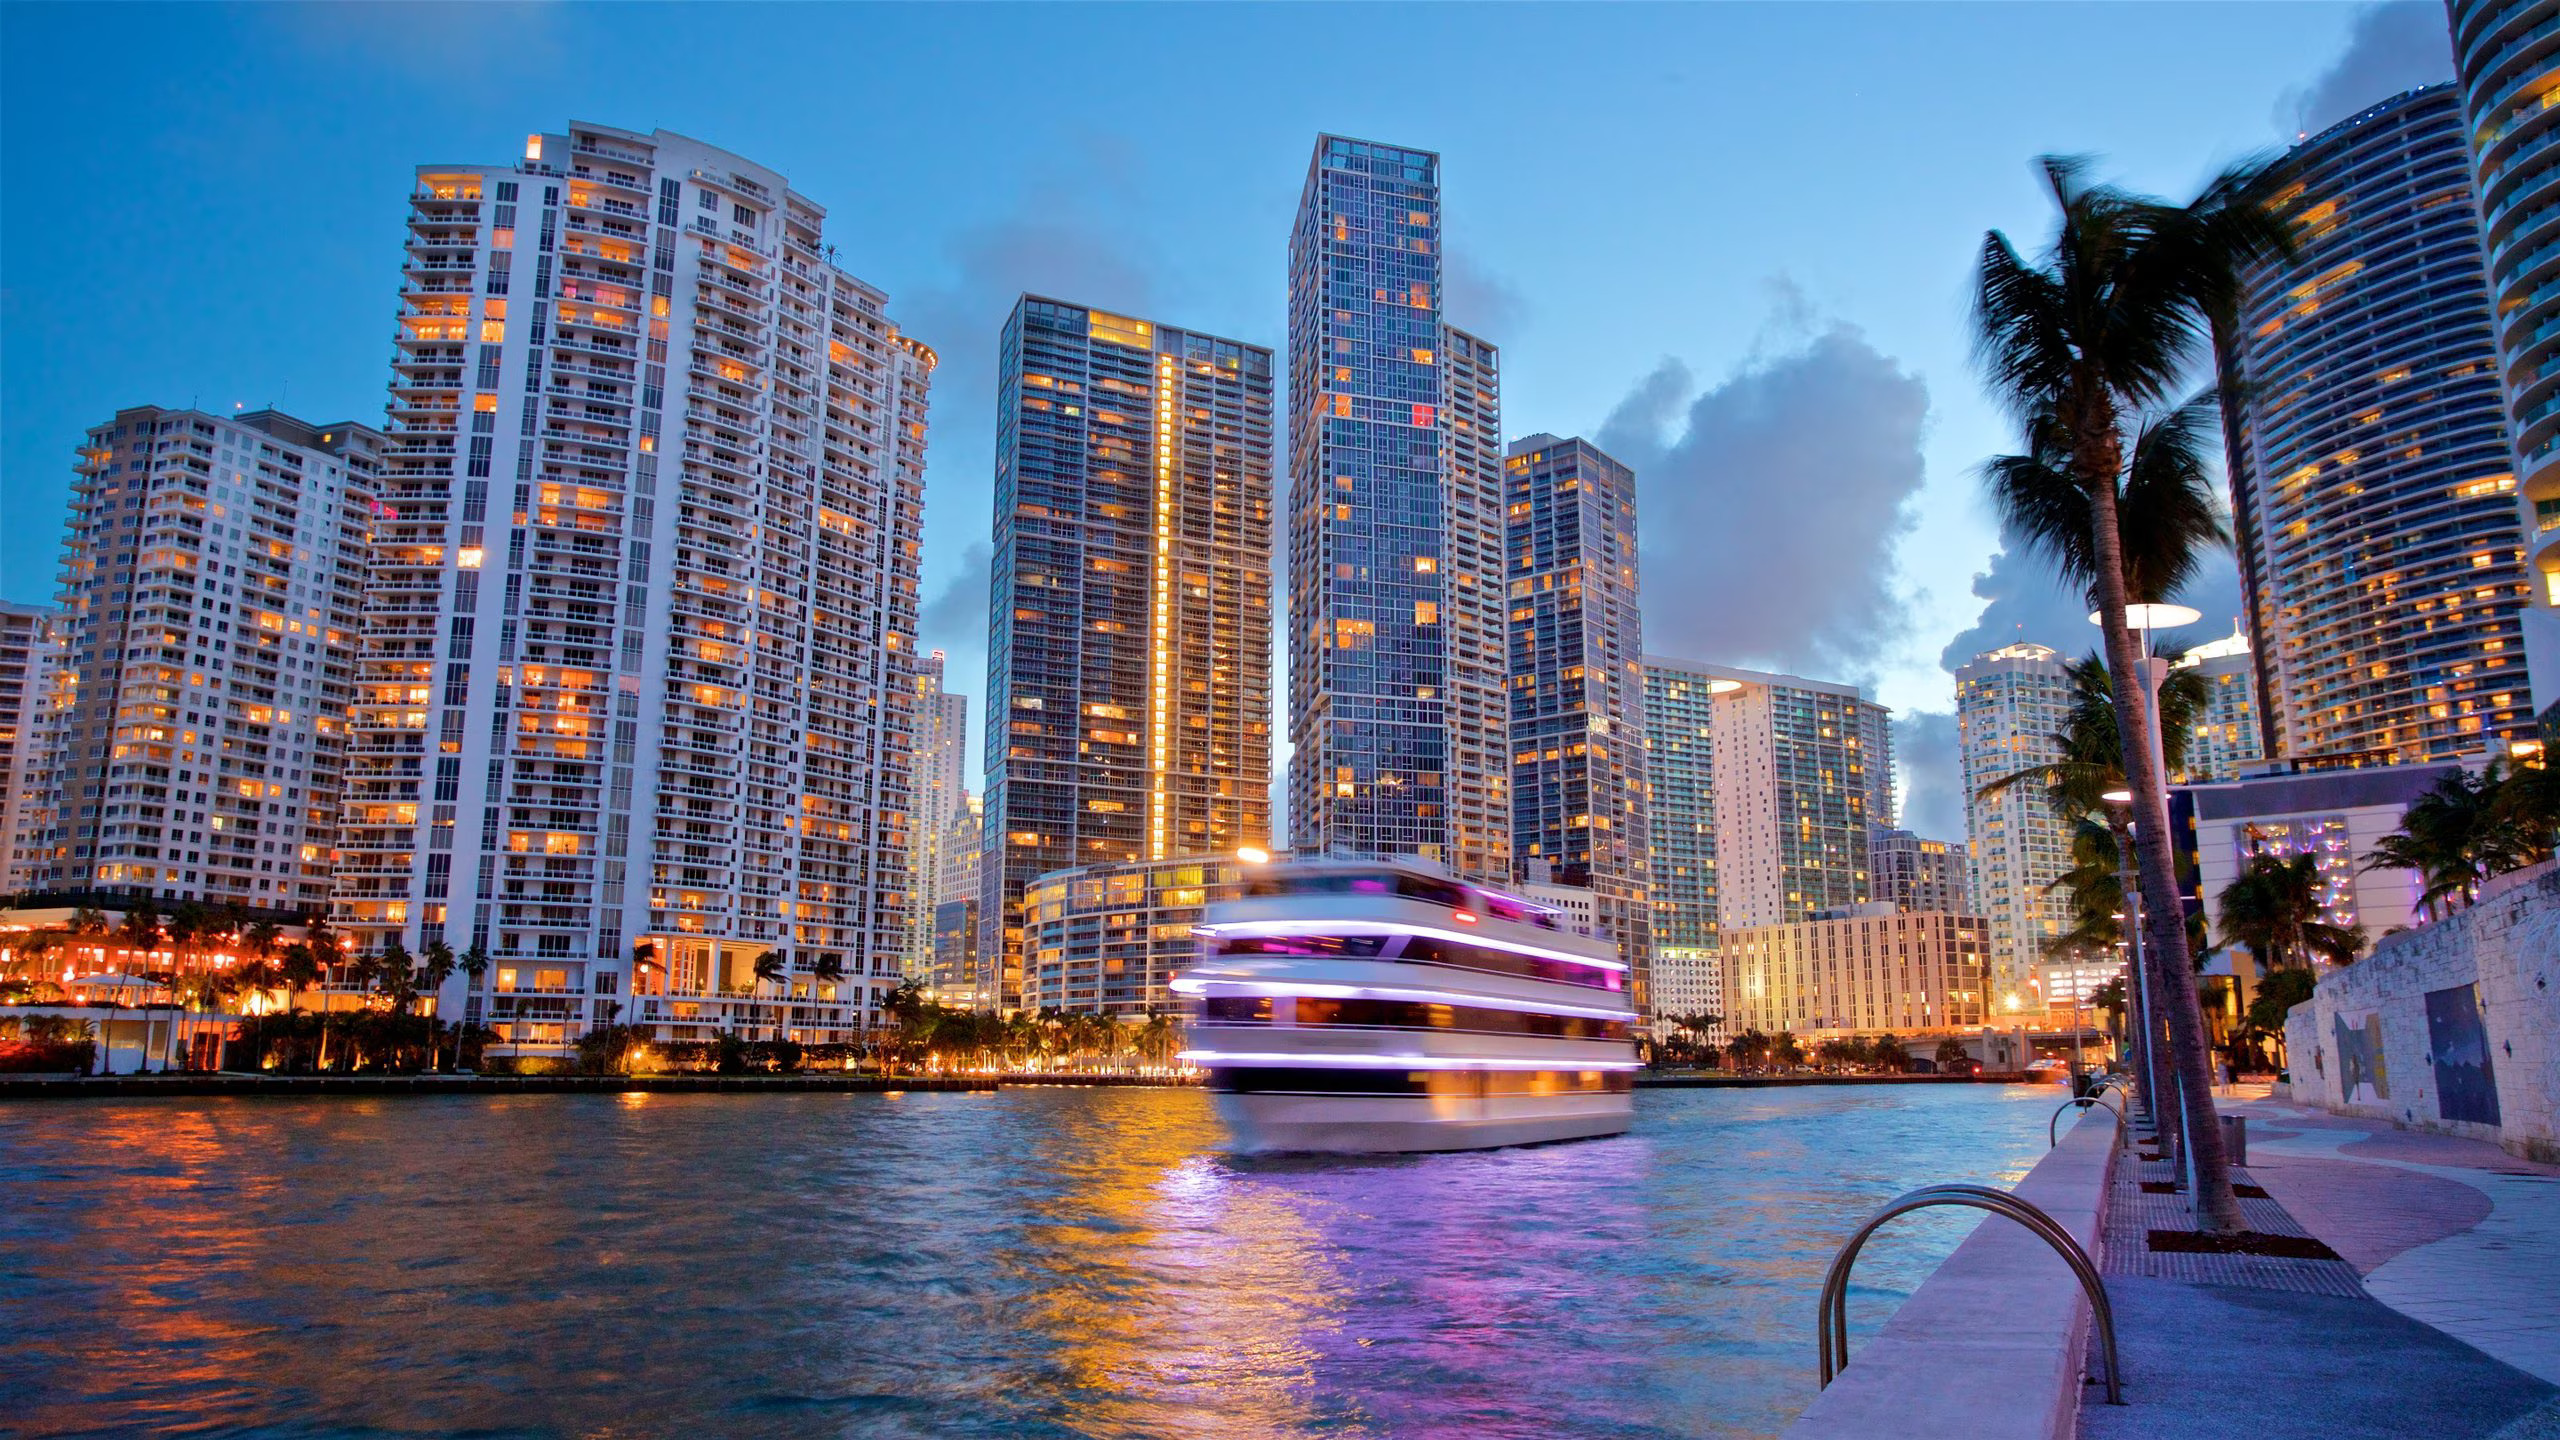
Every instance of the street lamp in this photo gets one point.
(2148, 621)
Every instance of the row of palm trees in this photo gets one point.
(930, 1034)
(2092, 346)
(2470, 827)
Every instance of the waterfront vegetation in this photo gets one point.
(2469, 828)
(2092, 347)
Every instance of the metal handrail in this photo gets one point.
(2052, 1126)
(1831, 1319)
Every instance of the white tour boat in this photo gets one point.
(1371, 1006)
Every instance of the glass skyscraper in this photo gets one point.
(1577, 684)
(2506, 52)
(2372, 485)
(1395, 529)
(1129, 635)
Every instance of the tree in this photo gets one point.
(2462, 831)
(1951, 1053)
(2088, 347)
(1785, 1050)
(1749, 1050)
(2277, 994)
(141, 936)
(2273, 907)
(773, 966)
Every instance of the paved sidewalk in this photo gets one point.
(2455, 1233)
(2276, 1349)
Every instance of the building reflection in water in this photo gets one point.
(1039, 1262)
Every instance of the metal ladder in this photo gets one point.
(2052, 1126)
(1831, 1318)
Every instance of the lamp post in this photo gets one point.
(2148, 620)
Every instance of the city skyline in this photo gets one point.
(1797, 309)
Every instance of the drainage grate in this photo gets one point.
(2245, 1242)
(2172, 1187)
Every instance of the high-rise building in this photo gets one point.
(941, 788)
(1799, 770)
(1913, 873)
(955, 918)
(2504, 52)
(1108, 939)
(30, 690)
(635, 705)
(2372, 485)
(1396, 628)
(212, 583)
(1862, 968)
(1680, 829)
(2012, 704)
(1129, 648)
(2225, 735)
(1577, 685)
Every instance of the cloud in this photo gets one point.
(1477, 300)
(2023, 601)
(2394, 46)
(1771, 503)
(956, 616)
(1929, 774)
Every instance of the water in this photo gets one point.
(1045, 1262)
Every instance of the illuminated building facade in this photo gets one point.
(1680, 833)
(2226, 735)
(30, 692)
(1914, 873)
(2011, 705)
(1129, 645)
(1108, 939)
(213, 581)
(1802, 769)
(2372, 483)
(941, 793)
(1577, 685)
(955, 918)
(1867, 968)
(2507, 53)
(1396, 614)
(635, 702)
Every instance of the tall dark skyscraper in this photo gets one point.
(1577, 684)
(1129, 638)
(2372, 486)
(1396, 628)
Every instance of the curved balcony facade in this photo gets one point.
(2507, 55)
(2372, 481)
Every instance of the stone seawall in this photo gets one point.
(2452, 1027)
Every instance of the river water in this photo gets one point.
(1034, 1262)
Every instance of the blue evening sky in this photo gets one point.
(206, 202)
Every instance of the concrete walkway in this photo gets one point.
(2309, 1348)
(2455, 1233)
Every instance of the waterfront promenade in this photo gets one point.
(2430, 1303)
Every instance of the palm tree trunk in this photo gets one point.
(2216, 1207)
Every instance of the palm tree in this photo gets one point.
(140, 934)
(2089, 346)
(2461, 832)
(2088, 769)
(774, 966)
(2274, 909)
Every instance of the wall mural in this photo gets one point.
(2458, 1045)
(2363, 1079)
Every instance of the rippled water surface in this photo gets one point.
(1041, 1262)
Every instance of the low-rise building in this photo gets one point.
(1108, 939)
(1861, 969)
